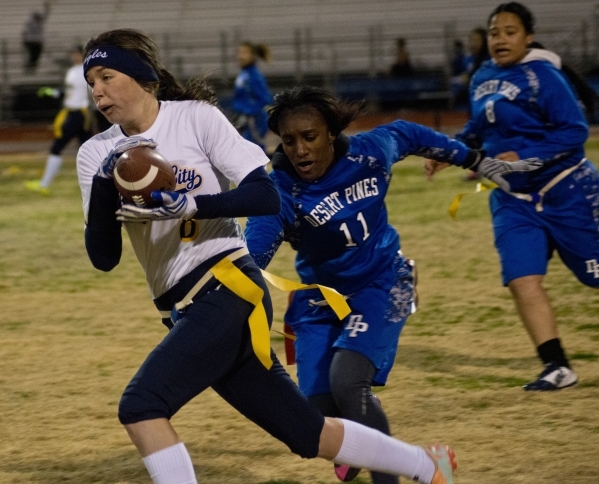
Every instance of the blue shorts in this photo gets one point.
(378, 314)
(569, 224)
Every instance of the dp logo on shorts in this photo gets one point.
(593, 268)
(356, 325)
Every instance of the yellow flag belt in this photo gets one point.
(241, 285)
(455, 205)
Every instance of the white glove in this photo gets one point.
(174, 206)
(107, 168)
(495, 170)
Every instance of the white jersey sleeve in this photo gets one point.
(230, 153)
(76, 95)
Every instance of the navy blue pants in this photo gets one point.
(75, 124)
(210, 346)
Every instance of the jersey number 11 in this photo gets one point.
(345, 230)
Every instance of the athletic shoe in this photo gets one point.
(35, 186)
(553, 377)
(445, 463)
(346, 473)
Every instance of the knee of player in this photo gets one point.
(304, 449)
(349, 379)
(137, 405)
(346, 390)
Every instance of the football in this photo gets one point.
(139, 171)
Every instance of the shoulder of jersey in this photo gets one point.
(175, 107)
(109, 136)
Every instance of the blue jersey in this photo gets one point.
(338, 223)
(252, 96)
(531, 109)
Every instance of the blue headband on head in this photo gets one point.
(120, 60)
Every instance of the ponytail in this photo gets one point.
(262, 51)
(258, 50)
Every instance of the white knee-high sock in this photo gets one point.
(52, 166)
(171, 466)
(368, 448)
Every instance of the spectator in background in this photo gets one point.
(459, 75)
(479, 51)
(402, 67)
(73, 120)
(33, 36)
(251, 93)
(458, 60)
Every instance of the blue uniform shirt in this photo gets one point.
(528, 108)
(252, 96)
(338, 223)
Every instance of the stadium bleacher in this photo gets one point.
(342, 44)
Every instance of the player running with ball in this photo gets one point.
(200, 274)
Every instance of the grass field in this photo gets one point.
(71, 338)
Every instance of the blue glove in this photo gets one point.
(107, 168)
(174, 206)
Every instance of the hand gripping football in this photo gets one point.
(141, 170)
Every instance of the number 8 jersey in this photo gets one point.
(338, 223)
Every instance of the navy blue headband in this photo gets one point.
(120, 60)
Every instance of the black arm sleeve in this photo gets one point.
(257, 194)
(103, 240)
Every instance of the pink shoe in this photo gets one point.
(346, 473)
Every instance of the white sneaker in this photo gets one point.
(553, 377)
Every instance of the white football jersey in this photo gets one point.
(76, 94)
(206, 153)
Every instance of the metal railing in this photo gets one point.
(300, 57)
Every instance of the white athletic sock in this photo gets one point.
(52, 166)
(171, 466)
(368, 448)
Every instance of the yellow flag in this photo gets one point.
(335, 300)
(455, 205)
